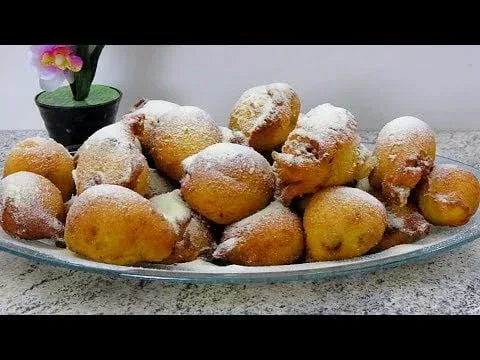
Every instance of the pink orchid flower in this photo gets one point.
(54, 64)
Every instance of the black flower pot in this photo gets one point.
(71, 126)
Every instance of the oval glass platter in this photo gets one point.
(199, 271)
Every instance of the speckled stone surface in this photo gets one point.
(448, 283)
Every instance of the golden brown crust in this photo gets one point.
(113, 224)
(449, 196)
(194, 241)
(392, 238)
(31, 207)
(273, 236)
(341, 223)
(323, 150)
(405, 150)
(194, 238)
(151, 110)
(44, 157)
(179, 133)
(405, 224)
(266, 115)
(227, 182)
(407, 219)
(113, 156)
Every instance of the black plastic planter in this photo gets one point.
(71, 126)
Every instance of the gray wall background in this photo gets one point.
(439, 84)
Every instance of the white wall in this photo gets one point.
(440, 84)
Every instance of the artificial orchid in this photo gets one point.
(54, 64)
(75, 63)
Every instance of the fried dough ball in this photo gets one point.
(323, 150)
(115, 225)
(405, 150)
(194, 239)
(449, 196)
(342, 222)
(31, 207)
(272, 236)
(227, 182)
(151, 109)
(266, 114)
(406, 219)
(157, 184)
(44, 157)
(405, 224)
(113, 155)
(177, 134)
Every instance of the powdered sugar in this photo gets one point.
(194, 238)
(365, 161)
(240, 157)
(117, 196)
(398, 130)
(318, 153)
(158, 184)
(182, 119)
(444, 170)
(233, 136)
(226, 247)
(363, 184)
(407, 220)
(395, 221)
(261, 103)
(115, 193)
(41, 147)
(118, 131)
(173, 208)
(326, 125)
(363, 152)
(74, 177)
(184, 130)
(227, 134)
(112, 155)
(24, 195)
(274, 215)
(324, 121)
(359, 197)
(445, 198)
(21, 192)
(68, 204)
(269, 211)
(155, 108)
(187, 162)
(402, 193)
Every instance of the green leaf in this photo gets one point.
(84, 78)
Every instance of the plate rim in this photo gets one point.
(179, 276)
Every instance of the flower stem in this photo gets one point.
(84, 78)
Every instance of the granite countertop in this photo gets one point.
(448, 283)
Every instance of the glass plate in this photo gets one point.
(439, 239)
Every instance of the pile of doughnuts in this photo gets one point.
(167, 185)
